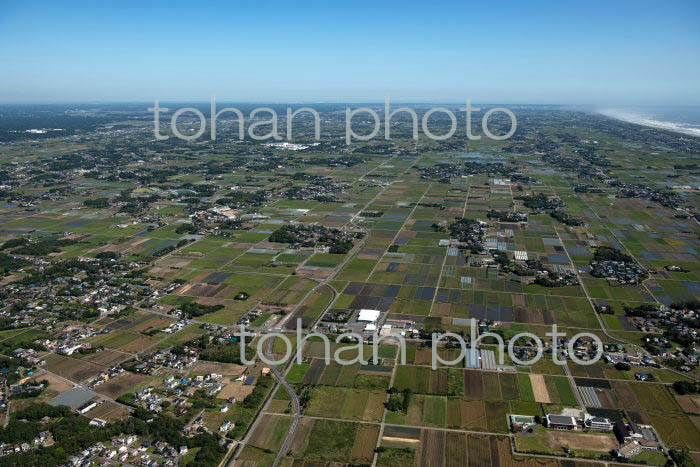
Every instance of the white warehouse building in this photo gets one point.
(368, 316)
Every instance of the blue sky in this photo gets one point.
(598, 53)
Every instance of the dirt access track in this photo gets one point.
(582, 441)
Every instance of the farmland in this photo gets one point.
(152, 269)
(441, 448)
(326, 440)
(72, 369)
(351, 404)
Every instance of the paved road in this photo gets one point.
(232, 459)
(383, 424)
(296, 408)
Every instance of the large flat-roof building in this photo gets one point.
(561, 422)
(368, 316)
(597, 423)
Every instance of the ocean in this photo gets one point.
(684, 120)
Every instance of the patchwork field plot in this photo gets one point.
(439, 448)
(539, 389)
(351, 404)
(72, 369)
(270, 432)
(328, 440)
(119, 385)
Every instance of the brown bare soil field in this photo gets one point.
(136, 242)
(226, 369)
(174, 261)
(110, 247)
(184, 289)
(595, 371)
(201, 290)
(519, 300)
(10, 278)
(56, 385)
(400, 432)
(71, 368)
(157, 322)
(432, 448)
(479, 450)
(548, 317)
(447, 354)
(300, 285)
(370, 253)
(158, 271)
(235, 389)
(529, 315)
(365, 442)
(201, 276)
(263, 431)
(505, 457)
(139, 344)
(696, 422)
(473, 414)
(606, 398)
(105, 358)
(108, 411)
(625, 395)
(441, 309)
(493, 444)
(473, 384)
(582, 441)
(225, 292)
(438, 381)
(454, 413)
(535, 462)
(492, 386)
(171, 273)
(315, 273)
(539, 387)
(423, 357)
(374, 408)
(123, 383)
(687, 404)
(455, 449)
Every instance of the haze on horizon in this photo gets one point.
(604, 53)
